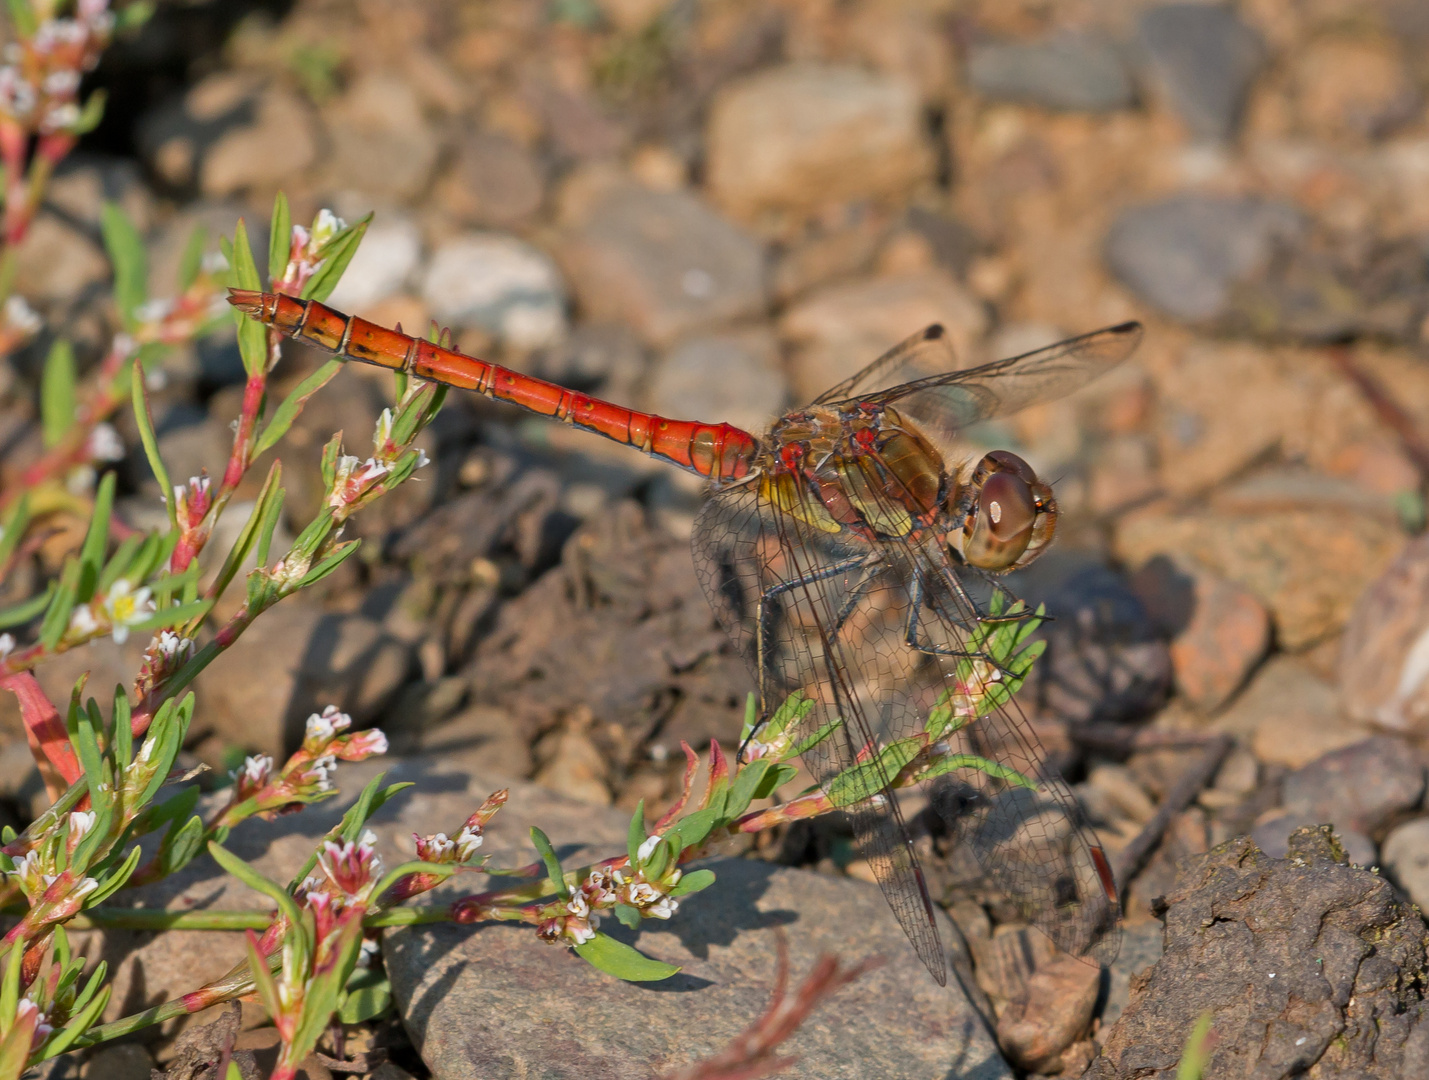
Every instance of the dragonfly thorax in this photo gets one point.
(856, 468)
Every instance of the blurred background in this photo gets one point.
(717, 208)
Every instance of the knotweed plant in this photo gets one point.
(114, 780)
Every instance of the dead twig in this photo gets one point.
(1133, 857)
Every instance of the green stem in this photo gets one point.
(113, 918)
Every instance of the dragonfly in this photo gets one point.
(857, 569)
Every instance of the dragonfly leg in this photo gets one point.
(910, 631)
(764, 629)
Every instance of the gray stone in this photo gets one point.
(1364, 786)
(734, 376)
(383, 265)
(1405, 856)
(453, 985)
(270, 142)
(1072, 72)
(123, 1062)
(57, 262)
(495, 181)
(1185, 255)
(664, 262)
(500, 283)
(595, 358)
(1141, 945)
(802, 136)
(1203, 58)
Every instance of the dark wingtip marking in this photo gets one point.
(1129, 327)
(934, 332)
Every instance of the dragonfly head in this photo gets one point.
(1009, 515)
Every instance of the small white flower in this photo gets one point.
(422, 459)
(83, 889)
(578, 906)
(579, 932)
(61, 82)
(105, 444)
(214, 263)
(647, 848)
(155, 310)
(127, 606)
(383, 431)
(467, 841)
(7, 645)
(367, 841)
(321, 728)
(325, 226)
(82, 621)
(171, 646)
(80, 822)
(20, 315)
(256, 770)
(60, 117)
(662, 908)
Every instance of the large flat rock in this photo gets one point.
(490, 1002)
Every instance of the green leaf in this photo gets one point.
(635, 834)
(22, 14)
(134, 14)
(264, 517)
(866, 780)
(12, 530)
(63, 1039)
(56, 619)
(57, 383)
(628, 916)
(145, 421)
(337, 254)
(181, 845)
(801, 748)
(292, 405)
(951, 762)
(119, 562)
(692, 881)
(331, 562)
(368, 995)
(659, 860)
(131, 264)
(243, 274)
(397, 873)
(693, 828)
(23, 612)
(372, 798)
(91, 114)
(121, 738)
(263, 980)
(116, 880)
(10, 982)
(553, 864)
(280, 239)
(258, 883)
(83, 738)
(741, 792)
(91, 555)
(618, 959)
(173, 616)
(778, 775)
(192, 260)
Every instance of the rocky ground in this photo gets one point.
(717, 210)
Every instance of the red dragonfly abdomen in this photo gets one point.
(718, 451)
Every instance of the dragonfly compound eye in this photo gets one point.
(1002, 528)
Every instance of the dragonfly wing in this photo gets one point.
(956, 399)
(762, 566)
(928, 352)
(1032, 842)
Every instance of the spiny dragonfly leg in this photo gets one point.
(764, 630)
(910, 631)
(1019, 616)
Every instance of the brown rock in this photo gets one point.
(799, 137)
(1306, 567)
(664, 262)
(735, 375)
(573, 765)
(1218, 630)
(1384, 656)
(1205, 434)
(1290, 715)
(1053, 1012)
(841, 328)
(270, 149)
(381, 141)
(1351, 84)
(125, 1062)
(57, 262)
(295, 660)
(494, 181)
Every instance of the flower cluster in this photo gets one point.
(306, 777)
(39, 84)
(166, 653)
(54, 888)
(307, 250)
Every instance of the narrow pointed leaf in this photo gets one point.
(618, 959)
(280, 238)
(57, 383)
